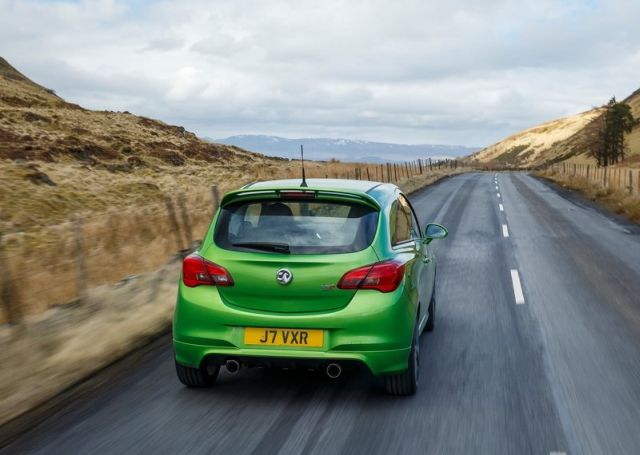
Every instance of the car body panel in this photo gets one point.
(367, 326)
(312, 289)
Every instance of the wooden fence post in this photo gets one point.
(173, 220)
(9, 295)
(81, 261)
(368, 175)
(420, 165)
(215, 197)
(620, 183)
(186, 223)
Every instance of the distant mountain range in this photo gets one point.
(344, 149)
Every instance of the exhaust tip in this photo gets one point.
(232, 366)
(334, 370)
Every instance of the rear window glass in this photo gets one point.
(296, 226)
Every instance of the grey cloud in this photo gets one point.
(411, 71)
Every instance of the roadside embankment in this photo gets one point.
(46, 353)
(615, 188)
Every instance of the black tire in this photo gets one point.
(406, 383)
(431, 322)
(196, 377)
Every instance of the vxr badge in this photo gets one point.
(284, 276)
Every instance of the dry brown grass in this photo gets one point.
(47, 353)
(538, 144)
(560, 140)
(126, 229)
(615, 200)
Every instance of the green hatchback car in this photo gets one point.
(315, 277)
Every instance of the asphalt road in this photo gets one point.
(557, 373)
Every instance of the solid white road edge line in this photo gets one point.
(517, 287)
(505, 230)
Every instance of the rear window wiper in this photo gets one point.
(265, 246)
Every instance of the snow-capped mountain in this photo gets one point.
(344, 149)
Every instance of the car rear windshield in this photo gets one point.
(296, 227)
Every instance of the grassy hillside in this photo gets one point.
(35, 124)
(58, 159)
(559, 140)
(633, 139)
(540, 144)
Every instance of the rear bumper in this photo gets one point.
(375, 329)
(378, 362)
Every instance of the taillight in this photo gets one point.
(383, 276)
(198, 271)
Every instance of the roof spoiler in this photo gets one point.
(297, 193)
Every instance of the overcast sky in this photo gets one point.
(466, 72)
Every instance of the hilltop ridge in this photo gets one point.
(562, 139)
(37, 124)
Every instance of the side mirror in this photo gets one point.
(434, 231)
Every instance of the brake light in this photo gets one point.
(383, 276)
(297, 194)
(198, 271)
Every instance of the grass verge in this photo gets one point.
(617, 201)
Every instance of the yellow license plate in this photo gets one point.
(301, 338)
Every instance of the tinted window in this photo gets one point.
(403, 224)
(415, 227)
(299, 227)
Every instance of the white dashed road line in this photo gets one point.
(515, 277)
(505, 230)
(517, 287)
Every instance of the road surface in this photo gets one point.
(536, 351)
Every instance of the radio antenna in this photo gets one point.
(304, 180)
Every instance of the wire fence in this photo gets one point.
(58, 265)
(611, 177)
